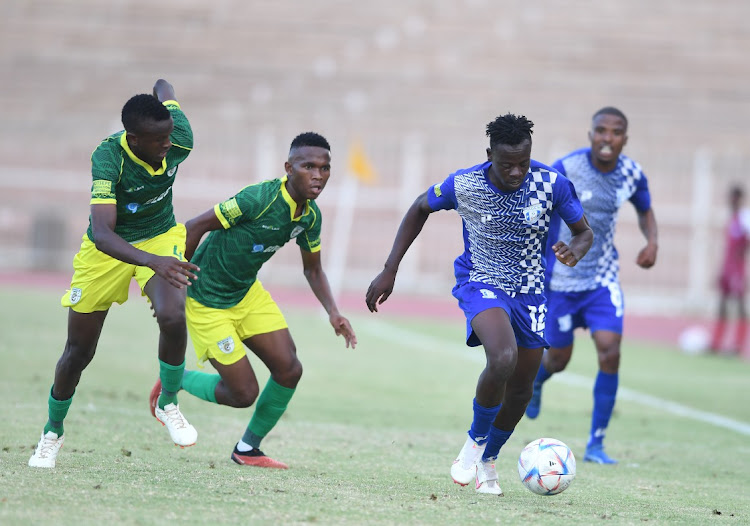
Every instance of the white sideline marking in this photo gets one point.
(386, 331)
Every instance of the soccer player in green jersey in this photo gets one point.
(229, 307)
(132, 234)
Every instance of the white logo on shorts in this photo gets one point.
(75, 295)
(226, 345)
(488, 294)
(565, 323)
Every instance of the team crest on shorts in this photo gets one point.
(532, 213)
(75, 295)
(488, 294)
(565, 323)
(226, 345)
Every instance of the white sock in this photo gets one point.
(243, 447)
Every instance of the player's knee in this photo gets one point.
(556, 362)
(501, 364)
(245, 395)
(171, 321)
(609, 360)
(76, 356)
(290, 374)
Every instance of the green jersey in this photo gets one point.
(143, 195)
(257, 222)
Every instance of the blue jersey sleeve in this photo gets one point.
(442, 196)
(641, 198)
(566, 202)
(559, 166)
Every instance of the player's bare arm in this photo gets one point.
(316, 277)
(197, 227)
(163, 90)
(647, 223)
(382, 286)
(103, 220)
(580, 243)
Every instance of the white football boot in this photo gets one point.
(487, 478)
(183, 434)
(45, 454)
(464, 468)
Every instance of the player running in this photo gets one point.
(589, 295)
(132, 234)
(506, 204)
(229, 307)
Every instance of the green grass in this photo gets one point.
(369, 436)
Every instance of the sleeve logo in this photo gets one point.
(231, 209)
(101, 186)
(437, 190)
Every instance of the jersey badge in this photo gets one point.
(133, 207)
(486, 218)
(296, 231)
(258, 248)
(75, 295)
(171, 171)
(226, 345)
(531, 213)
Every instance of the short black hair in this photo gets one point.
(509, 129)
(309, 139)
(610, 110)
(141, 108)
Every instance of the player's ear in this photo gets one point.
(625, 140)
(288, 168)
(591, 136)
(132, 138)
(489, 154)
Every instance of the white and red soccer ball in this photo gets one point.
(546, 466)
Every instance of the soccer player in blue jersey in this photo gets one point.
(132, 234)
(506, 204)
(589, 295)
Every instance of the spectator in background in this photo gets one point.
(732, 282)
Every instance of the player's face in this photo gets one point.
(608, 135)
(308, 169)
(510, 164)
(151, 142)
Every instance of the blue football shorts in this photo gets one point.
(527, 312)
(600, 309)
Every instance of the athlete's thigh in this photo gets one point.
(170, 243)
(166, 299)
(604, 309)
(99, 280)
(238, 375)
(275, 349)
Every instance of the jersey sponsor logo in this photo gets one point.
(565, 323)
(258, 248)
(270, 227)
(437, 190)
(586, 195)
(486, 218)
(75, 295)
(226, 345)
(132, 207)
(488, 294)
(171, 171)
(134, 189)
(101, 187)
(158, 197)
(531, 213)
(296, 231)
(272, 249)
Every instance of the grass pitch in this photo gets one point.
(370, 435)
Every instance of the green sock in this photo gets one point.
(58, 410)
(271, 404)
(202, 385)
(171, 379)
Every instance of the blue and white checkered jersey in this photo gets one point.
(505, 232)
(602, 195)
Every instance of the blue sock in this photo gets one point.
(480, 426)
(498, 437)
(605, 392)
(542, 375)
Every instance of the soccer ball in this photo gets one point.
(546, 466)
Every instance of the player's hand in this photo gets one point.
(343, 328)
(379, 290)
(647, 256)
(177, 273)
(564, 255)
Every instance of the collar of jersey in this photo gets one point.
(136, 160)
(291, 202)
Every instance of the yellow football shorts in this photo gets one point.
(219, 333)
(99, 280)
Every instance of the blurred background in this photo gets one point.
(403, 91)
